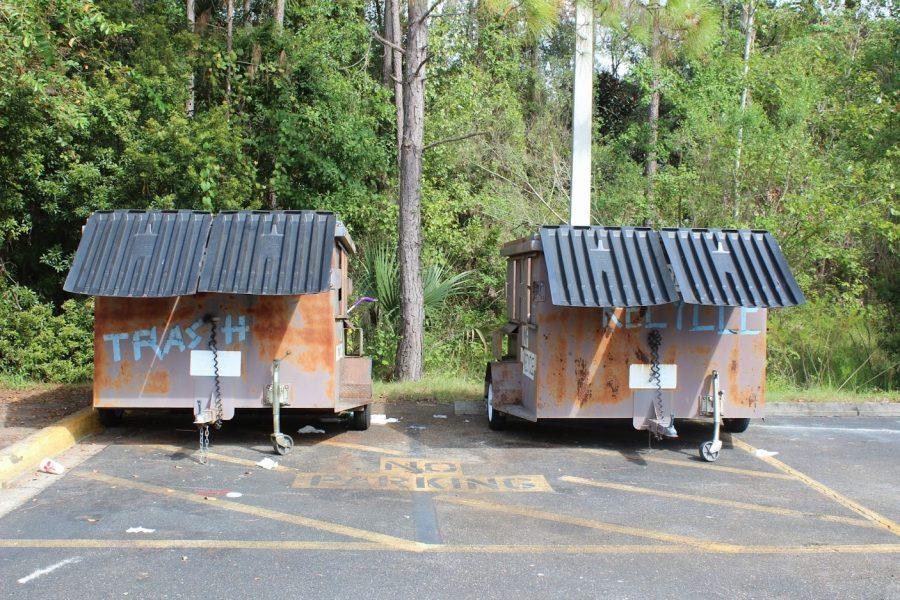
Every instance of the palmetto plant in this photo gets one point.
(381, 279)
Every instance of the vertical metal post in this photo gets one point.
(582, 110)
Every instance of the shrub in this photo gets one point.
(38, 344)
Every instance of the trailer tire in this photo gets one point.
(735, 425)
(110, 417)
(361, 418)
(496, 419)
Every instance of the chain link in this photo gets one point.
(654, 339)
(203, 429)
(218, 384)
(204, 443)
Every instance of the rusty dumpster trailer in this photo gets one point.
(632, 323)
(215, 313)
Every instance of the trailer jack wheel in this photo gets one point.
(282, 443)
(707, 453)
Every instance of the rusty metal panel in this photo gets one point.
(139, 254)
(506, 382)
(143, 350)
(584, 358)
(269, 253)
(606, 266)
(356, 381)
(728, 267)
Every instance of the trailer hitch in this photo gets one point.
(276, 393)
(709, 451)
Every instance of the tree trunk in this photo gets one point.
(191, 19)
(229, 44)
(653, 114)
(412, 309)
(279, 14)
(749, 35)
(245, 17)
(397, 66)
(387, 57)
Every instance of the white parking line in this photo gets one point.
(50, 569)
(833, 429)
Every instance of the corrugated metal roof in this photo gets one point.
(606, 266)
(139, 253)
(729, 267)
(269, 253)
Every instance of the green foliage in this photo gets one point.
(831, 346)
(92, 116)
(38, 343)
(380, 278)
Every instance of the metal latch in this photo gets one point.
(284, 394)
(707, 406)
(205, 417)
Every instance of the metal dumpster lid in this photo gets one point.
(606, 266)
(730, 267)
(636, 266)
(269, 253)
(152, 253)
(139, 254)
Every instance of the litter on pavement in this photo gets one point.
(760, 453)
(48, 465)
(139, 529)
(267, 463)
(382, 420)
(310, 429)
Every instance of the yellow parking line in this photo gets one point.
(775, 510)
(685, 463)
(442, 548)
(362, 447)
(214, 456)
(533, 513)
(823, 489)
(380, 538)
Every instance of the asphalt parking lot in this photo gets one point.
(444, 508)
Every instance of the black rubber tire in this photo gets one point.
(110, 417)
(496, 419)
(361, 418)
(735, 425)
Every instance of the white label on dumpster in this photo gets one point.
(202, 363)
(639, 377)
(529, 363)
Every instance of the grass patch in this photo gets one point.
(19, 382)
(827, 394)
(431, 388)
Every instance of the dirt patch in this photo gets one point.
(24, 411)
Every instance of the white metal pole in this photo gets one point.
(582, 109)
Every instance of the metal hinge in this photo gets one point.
(284, 391)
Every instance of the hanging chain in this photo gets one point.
(203, 428)
(204, 443)
(218, 384)
(654, 339)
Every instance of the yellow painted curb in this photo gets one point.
(27, 454)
